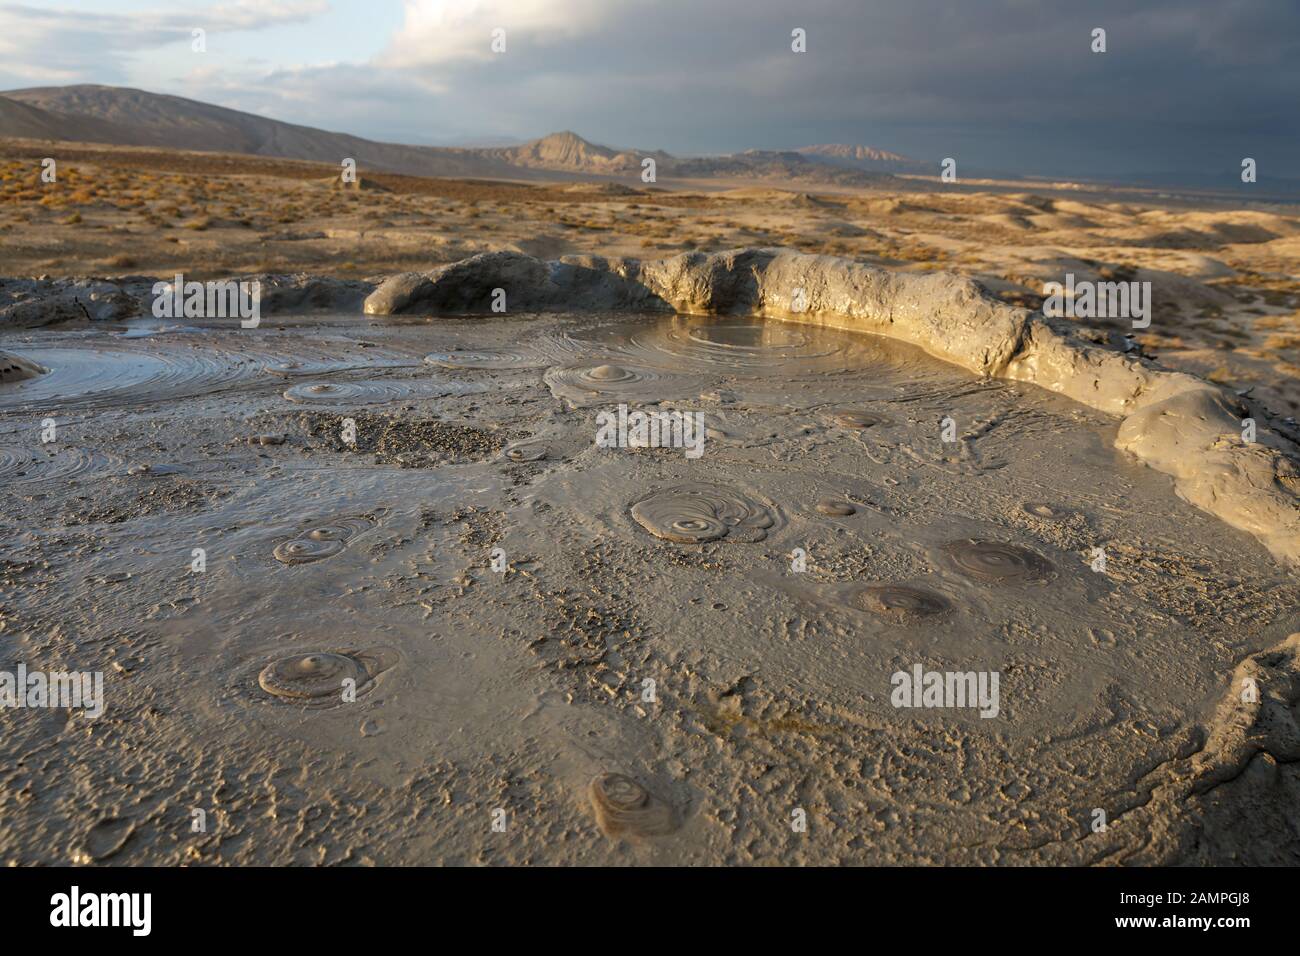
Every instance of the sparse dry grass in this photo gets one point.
(209, 214)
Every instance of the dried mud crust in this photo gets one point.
(1176, 423)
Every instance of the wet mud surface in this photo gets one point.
(434, 622)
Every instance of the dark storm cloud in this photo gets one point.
(1186, 86)
(1191, 86)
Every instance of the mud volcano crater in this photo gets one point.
(524, 584)
(698, 513)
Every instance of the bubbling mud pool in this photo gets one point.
(314, 676)
(635, 655)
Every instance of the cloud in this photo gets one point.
(999, 83)
(255, 14)
(45, 45)
(437, 32)
(1010, 82)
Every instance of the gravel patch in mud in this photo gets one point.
(129, 500)
(402, 441)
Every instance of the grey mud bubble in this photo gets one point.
(311, 676)
(15, 368)
(525, 452)
(857, 418)
(735, 345)
(901, 603)
(320, 542)
(326, 359)
(744, 346)
(295, 367)
(835, 507)
(345, 393)
(20, 463)
(373, 393)
(581, 383)
(697, 513)
(488, 359)
(150, 470)
(1040, 509)
(306, 550)
(997, 562)
(116, 375)
(625, 808)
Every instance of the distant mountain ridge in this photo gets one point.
(129, 117)
(862, 157)
(568, 151)
(18, 119)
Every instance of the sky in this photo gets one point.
(1185, 86)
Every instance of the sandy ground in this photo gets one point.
(651, 622)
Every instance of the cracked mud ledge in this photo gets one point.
(1229, 796)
